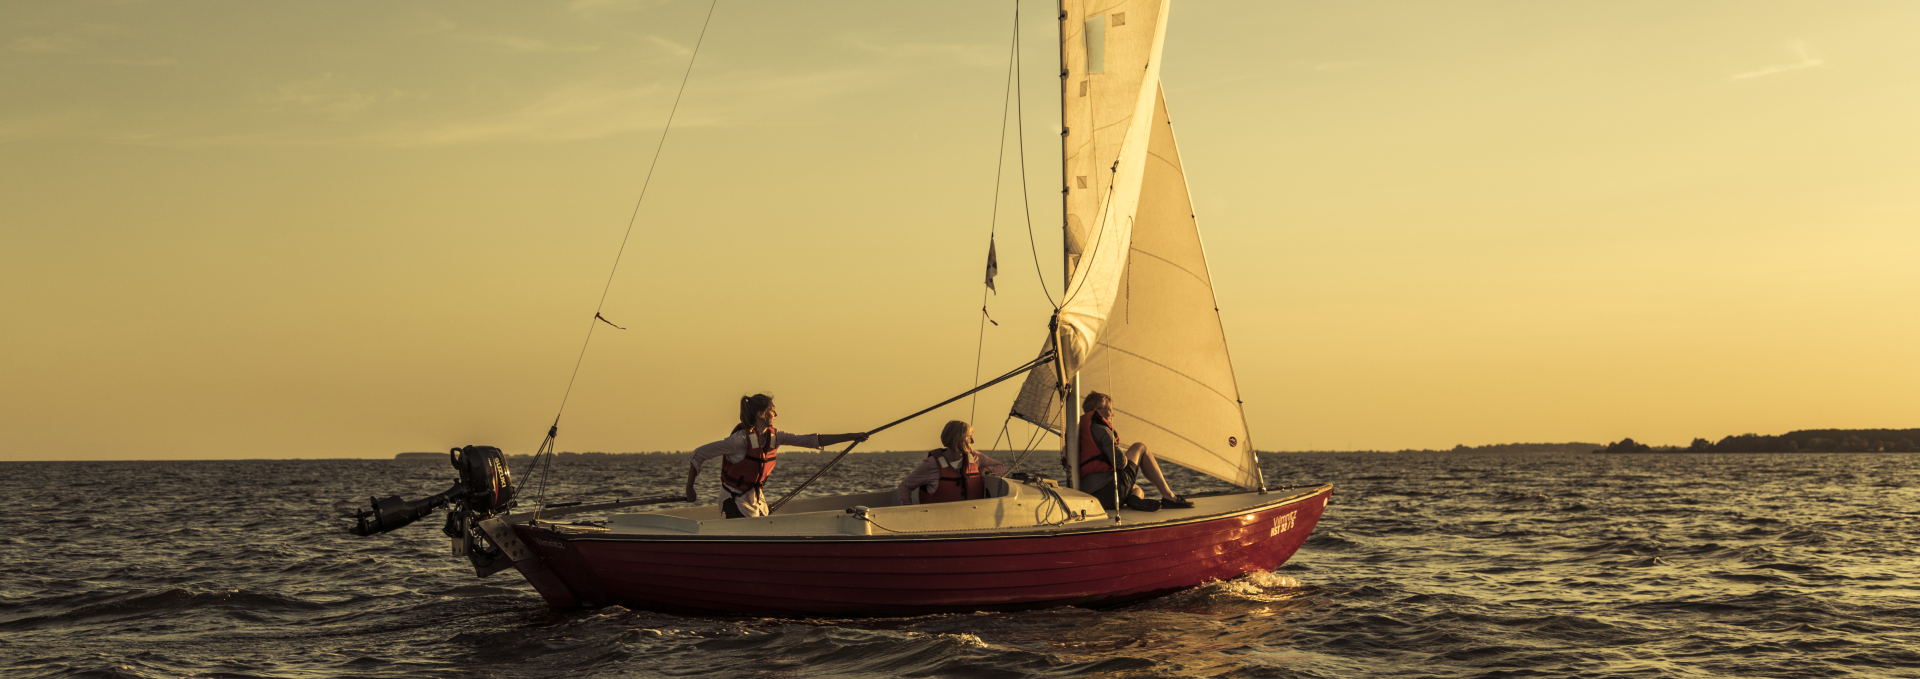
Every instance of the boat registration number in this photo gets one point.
(1282, 524)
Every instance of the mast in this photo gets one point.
(1070, 387)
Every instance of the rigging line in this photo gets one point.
(1027, 450)
(1106, 208)
(979, 350)
(544, 472)
(1029, 365)
(553, 431)
(1003, 433)
(993, 220)
(1020, 132)
(646, 182)
(536, 477)
(1087, 255)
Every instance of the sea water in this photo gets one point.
(1789, 565)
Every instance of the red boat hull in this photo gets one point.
(916, 574)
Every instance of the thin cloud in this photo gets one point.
(579, 111)
(75, 40)
(980, 55)
(59, 43)
(439, 25)
(1329, 66)
(597, 7)
(1800, 49)
(393, 118)
(45, 126)
(670, 46)
(142, 63)
(334, 95)
(519, 44)
(595, 110)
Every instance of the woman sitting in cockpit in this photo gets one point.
(953, 472)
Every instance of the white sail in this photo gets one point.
(1111, 52)
(1140, 321)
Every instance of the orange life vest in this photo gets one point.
(752, 470)
(956, 483)
(1092, 459)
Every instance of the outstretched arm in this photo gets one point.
(831, 439)
(693, 472)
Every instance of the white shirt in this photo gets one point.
(734, 449)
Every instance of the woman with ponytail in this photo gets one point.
(749, 455)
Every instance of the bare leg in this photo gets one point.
(1150, 466)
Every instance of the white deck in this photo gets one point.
(1021, 507)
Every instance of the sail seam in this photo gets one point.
(1180, 436)
(1167, 368)
(1175, 265)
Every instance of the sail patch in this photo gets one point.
(1095, 37)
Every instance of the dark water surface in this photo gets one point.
(1425, 566)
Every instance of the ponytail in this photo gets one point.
(750, 409)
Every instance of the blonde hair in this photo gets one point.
(954, 435)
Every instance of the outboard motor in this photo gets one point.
(485, 489)
(393, 512)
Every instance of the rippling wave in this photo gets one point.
(1801, 565)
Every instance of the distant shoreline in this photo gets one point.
(1799, 441)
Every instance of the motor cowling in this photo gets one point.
(486, 478)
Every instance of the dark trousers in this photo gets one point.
(1100, 484)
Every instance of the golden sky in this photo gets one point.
(234, 230)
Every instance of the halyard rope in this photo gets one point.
(554, 430)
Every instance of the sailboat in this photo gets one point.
(1138, 319)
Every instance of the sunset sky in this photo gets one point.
(245, 230)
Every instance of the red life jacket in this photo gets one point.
(752, 471)
(1092, 459)
(962, 483)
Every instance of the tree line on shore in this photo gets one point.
(1801, 441)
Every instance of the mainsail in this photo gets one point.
(1139, 319)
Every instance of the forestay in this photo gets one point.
(1139, 319)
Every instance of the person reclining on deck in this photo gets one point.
(951, 473)
(749, 455)
(1098, 441)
